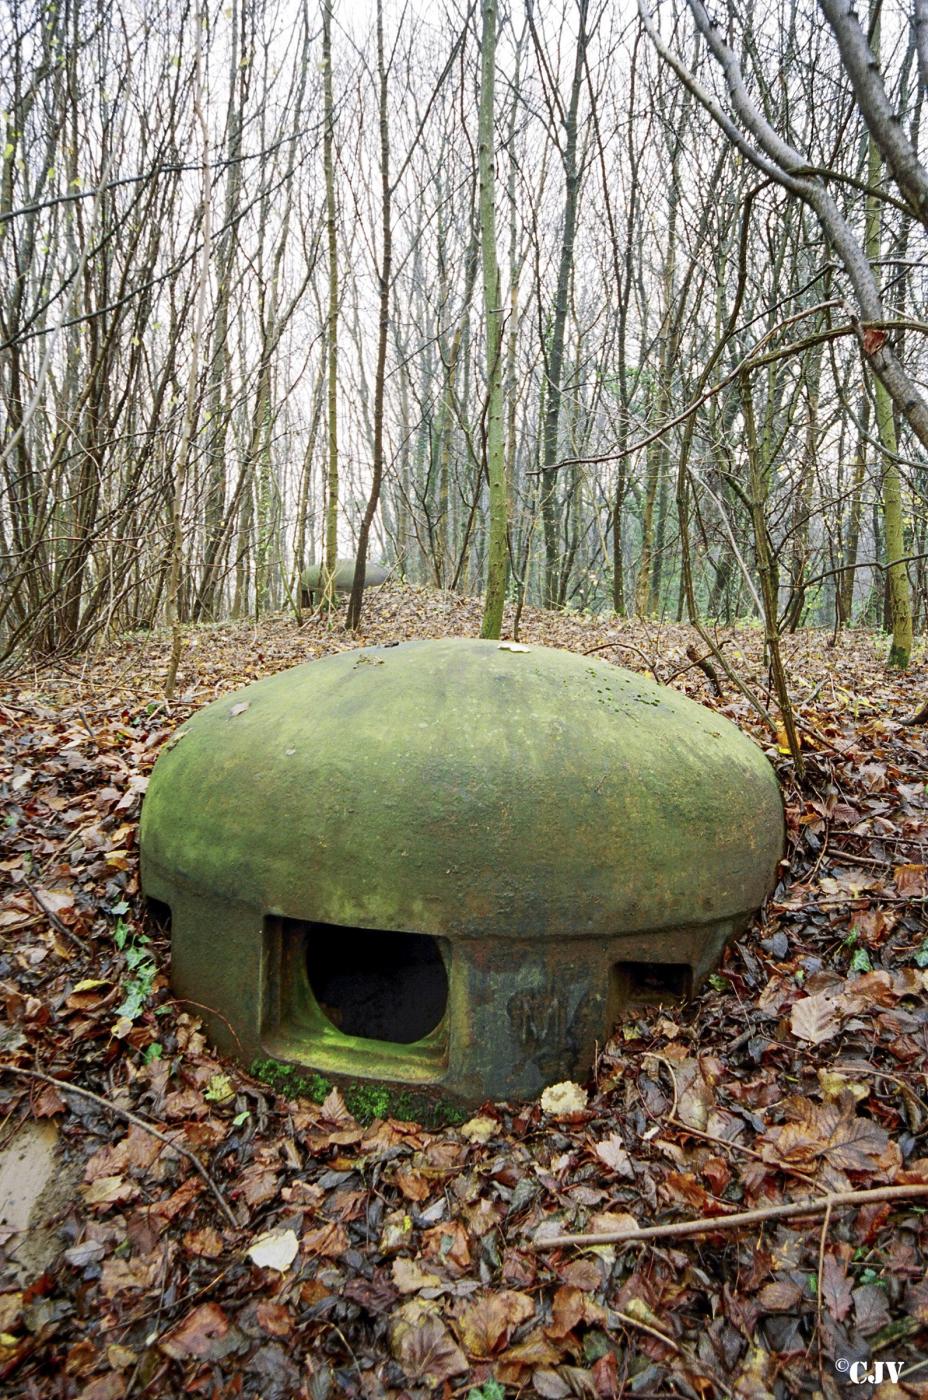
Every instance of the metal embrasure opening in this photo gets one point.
(654, 982)
(377, 985)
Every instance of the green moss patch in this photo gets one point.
(366, 1100)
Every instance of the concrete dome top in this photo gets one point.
(344, 575)
(458, 786)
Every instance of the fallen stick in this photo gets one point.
(627, 646)
(707, 1225)
(705, 665)
(53, 918)
(651, 1331)
(133, 1118)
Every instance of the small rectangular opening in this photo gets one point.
(371, 1002)
(653, 983)
(159, 914)
(377, 985)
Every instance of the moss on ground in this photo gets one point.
(365, 1100)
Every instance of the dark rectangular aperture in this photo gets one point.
(356, 1001)
(160, 915)
(375, 984)
(651, 983)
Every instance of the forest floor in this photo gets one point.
(402, 1262)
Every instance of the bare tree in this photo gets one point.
(497, 547)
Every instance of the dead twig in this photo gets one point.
(820, 1292)
(202, 1006)
(820, 738)
(53, 918)
(707, 1225)
(741, 1147)
(662, 1059)
(133, 1118)
(705, 665)
(651, 1331)
(908, 1094)
(627, 646)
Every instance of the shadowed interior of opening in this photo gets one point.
(377, 985)
(654, 982)
(160, 915)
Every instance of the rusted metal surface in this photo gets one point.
(560, 825)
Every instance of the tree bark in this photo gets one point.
(897, 578)
(554, 367)
(330, 554)
(384, 278)
(497, 543)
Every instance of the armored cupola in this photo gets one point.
(452, 864)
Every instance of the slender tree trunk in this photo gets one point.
(497, 545)
(190, 406)
(652, 472)
(555, 359)
(618, 541)
(353, 616)
(759, 486)
(858, 474)
(218, 410)
(658, 457)
(331, 340)
(802, 507)
(897, 579)
(303, 503)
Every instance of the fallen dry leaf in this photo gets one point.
(612, 1152)
(206, 1242)
(815, 1018)
(836, 1287)
(106, 1190)
(424, 1347)
(485, 1325)
(830, 1133)
(911, 880)
(408, 1277)
(275, 1250)
(200, 1334)
(572, 1307)
(275, 1318)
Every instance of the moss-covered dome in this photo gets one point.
(451, 864)
(344, 576)
(451, 785)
